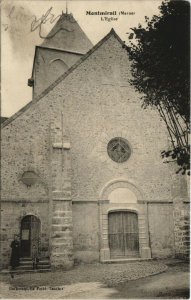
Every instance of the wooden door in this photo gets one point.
(131, 234)
(123, 234)
(25, 237)
(34, 237)
(30, 234)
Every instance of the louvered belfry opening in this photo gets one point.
(123, 234)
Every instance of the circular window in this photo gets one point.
(118, 150)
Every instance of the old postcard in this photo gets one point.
(95, 149)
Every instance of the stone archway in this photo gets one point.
(121, 183)
(122, 196)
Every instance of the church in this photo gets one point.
(82, 178)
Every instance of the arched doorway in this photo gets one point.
(123, 234)
(30, 236)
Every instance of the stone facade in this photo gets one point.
(62, 137)
(12, 212)
(53, 63)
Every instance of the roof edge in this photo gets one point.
(61, 50)
(63, 76)
(18, 113)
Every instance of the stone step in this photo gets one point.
(25, 259)
(30, 258)
(125, 260)
(41, 262)
(30, 267)
(27, 264)
(30, 261)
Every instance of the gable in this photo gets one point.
(63, 76)
(98, 103)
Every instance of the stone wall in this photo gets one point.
(161, 227)
(61, 237)
(26, 146)
(182, 230)
(92, 105)
(100, 105)
(12, 213)
(31, 140)
(61, 202)
(85, 231)
(53, 63)
(181, 215)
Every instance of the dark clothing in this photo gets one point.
(15, 254)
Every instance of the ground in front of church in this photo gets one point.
(152, 279)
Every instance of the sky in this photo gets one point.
(18, 41)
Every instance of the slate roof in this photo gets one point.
(67, 35)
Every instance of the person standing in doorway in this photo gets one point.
(15, 253)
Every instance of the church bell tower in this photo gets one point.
(61, 48)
